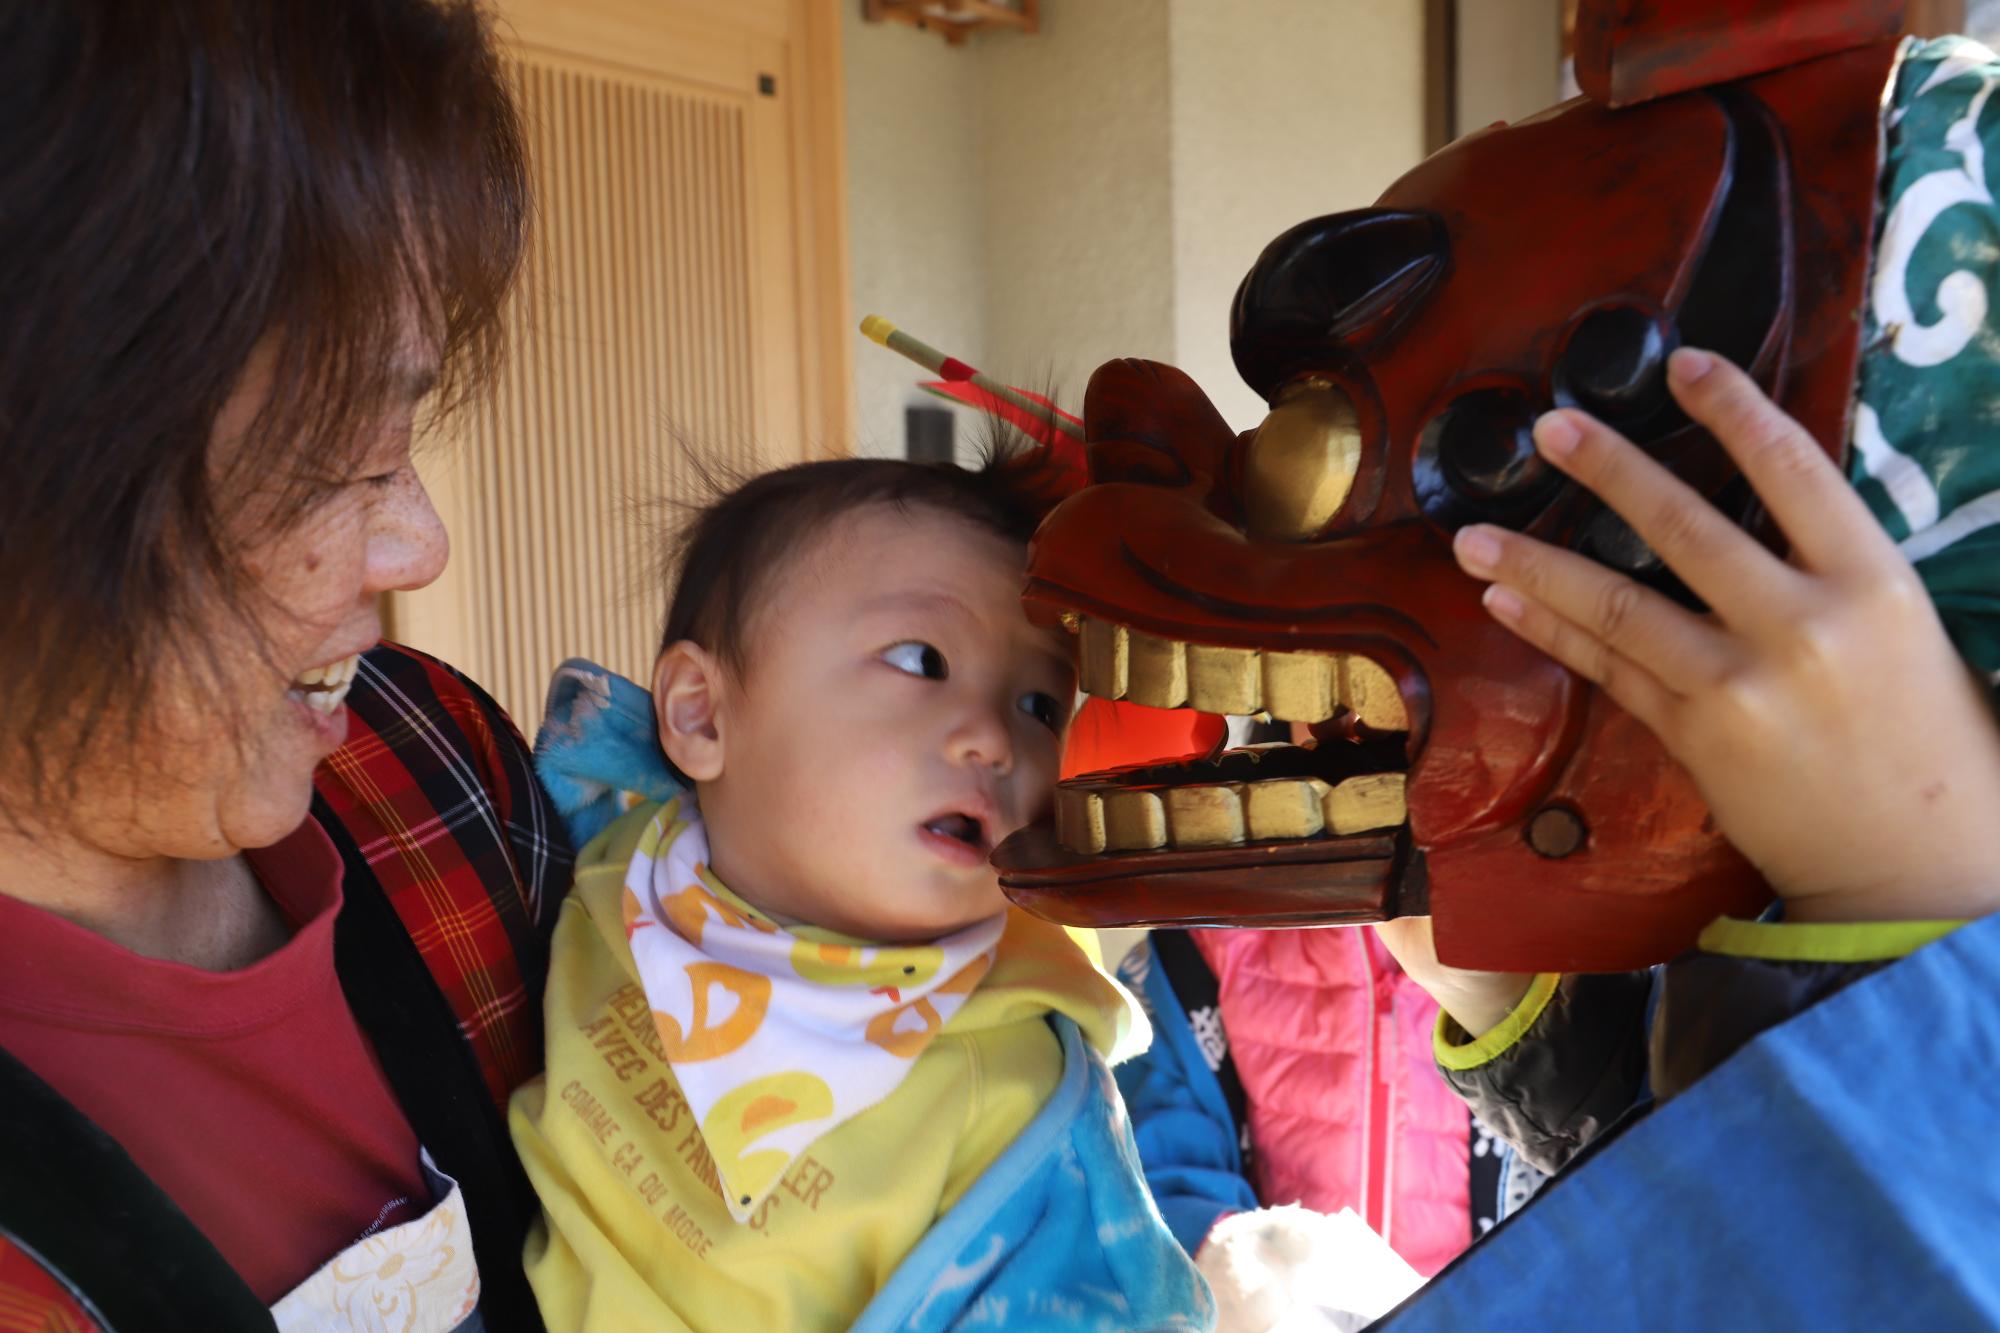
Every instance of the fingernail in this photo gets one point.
(1689, 364)
(1504, 603)
(1556, 435)
(1478, 550)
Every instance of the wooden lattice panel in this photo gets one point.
(685, 295)
(630, 347)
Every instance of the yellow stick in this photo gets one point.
(877, 329)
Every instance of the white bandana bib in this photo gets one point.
(775, 1039)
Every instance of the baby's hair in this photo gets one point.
(732, 545)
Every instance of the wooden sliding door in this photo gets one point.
(686, 293)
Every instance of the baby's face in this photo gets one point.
(898, 716)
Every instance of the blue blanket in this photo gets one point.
(1841, 1171)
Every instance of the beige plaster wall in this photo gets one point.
(1077, 169)
(1509, 60)
(1041, 204)
(916, 210)
(1281, 110)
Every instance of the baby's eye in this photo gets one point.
(919, 659)
(1044, 708)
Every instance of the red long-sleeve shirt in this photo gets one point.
(250, 1097)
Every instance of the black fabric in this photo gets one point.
(1591, 1057)
(536, 834)
(1485, 1177)
(1195, 986)
(437, 1081)
(1711, 1004)
(397, 699)
(74, 1198)
(1580, 1067)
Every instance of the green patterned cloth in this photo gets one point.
(1928, 395)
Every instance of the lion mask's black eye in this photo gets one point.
(1476, 460)
(1614, 366)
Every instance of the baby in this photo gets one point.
(806, 1068)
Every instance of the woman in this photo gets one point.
(272, 898)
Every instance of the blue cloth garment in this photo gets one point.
(1840, 1171)
(1060, 1232)
(598, 743)
(1186, 1136)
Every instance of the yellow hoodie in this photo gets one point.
(635, 1233)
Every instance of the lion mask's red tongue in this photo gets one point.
(1111, 734)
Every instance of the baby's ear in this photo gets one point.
(687, 692)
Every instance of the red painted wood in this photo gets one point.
(1629, 51)
(1278, 884)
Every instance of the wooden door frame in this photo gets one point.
(1440, 73)
(1927, 18)
(1934, 18)
(825, 262)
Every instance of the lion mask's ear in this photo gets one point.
(1631, 51)
(1335, 286)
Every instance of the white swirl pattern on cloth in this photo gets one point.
(777, 1036)
(417, 1277)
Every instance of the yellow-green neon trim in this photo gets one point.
(1501, 1035)
(1821, 941)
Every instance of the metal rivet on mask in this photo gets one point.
(1556, 831)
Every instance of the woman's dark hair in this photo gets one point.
(182, 181)
(731, 548)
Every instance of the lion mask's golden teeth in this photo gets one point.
(1096, 816)
(1122, 663)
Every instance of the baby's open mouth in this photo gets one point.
(1350, 781)
(959, 827)
(324, 688)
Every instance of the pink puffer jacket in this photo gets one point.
(1347, 1110)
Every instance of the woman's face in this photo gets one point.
(217, 771)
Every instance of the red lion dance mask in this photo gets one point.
(1715, 187)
